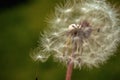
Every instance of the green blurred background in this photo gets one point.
(21, 22)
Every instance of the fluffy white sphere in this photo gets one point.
(83, 31)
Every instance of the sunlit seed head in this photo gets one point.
(85, 32)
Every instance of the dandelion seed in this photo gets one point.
(58, 20)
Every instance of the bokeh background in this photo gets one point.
(21, 22)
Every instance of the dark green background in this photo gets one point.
(21, 22)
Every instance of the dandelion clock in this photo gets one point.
(81, 33)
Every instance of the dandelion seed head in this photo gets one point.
(85, 32)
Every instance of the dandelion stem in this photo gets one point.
(69, 70)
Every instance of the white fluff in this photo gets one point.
(97, 48)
